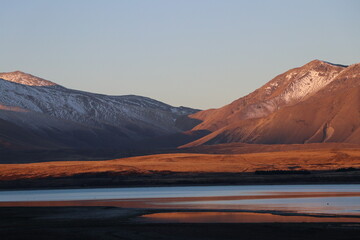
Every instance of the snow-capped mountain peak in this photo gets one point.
(313, 77)
(317, 102)
(83, 119)
(289, 88)
(25, 79)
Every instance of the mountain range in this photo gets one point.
(36, 113)
(318, 102)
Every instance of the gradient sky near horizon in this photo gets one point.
(200, 53)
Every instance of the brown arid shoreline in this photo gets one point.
(226, 164)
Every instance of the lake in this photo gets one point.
(265, 203)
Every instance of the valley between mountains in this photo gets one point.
(301, 126)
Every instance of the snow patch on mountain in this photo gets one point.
(26, 79)
(307, 84)
(290, 88)
(135, 116)
(271, 88)
(290, 75)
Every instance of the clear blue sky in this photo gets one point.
(197, 53)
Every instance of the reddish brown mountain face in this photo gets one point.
(318, 102)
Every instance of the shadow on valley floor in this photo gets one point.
(46, 155)
(157, 145)
(168, 178)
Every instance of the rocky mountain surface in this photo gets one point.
(38, 113)
(318, 102)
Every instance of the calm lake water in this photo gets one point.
(168, 192)
(341, 200)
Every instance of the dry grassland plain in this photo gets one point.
(300, 160)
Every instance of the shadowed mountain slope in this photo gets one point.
(36, 113)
